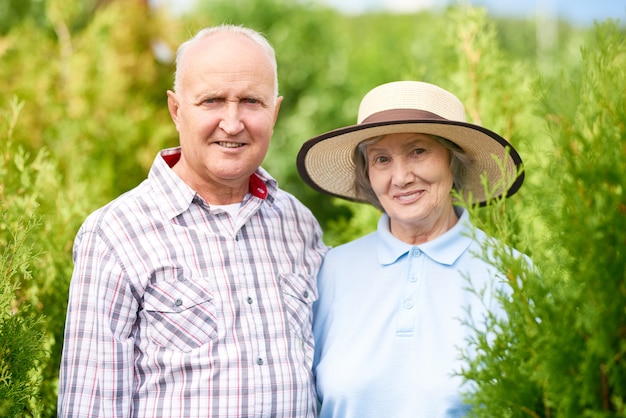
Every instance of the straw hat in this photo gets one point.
(326, 163)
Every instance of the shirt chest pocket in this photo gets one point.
(180, 315)
(299, 293)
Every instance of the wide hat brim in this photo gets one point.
(326, 163)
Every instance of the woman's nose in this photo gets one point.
(401, 174)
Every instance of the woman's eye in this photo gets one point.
(418, 151)
(381, 159)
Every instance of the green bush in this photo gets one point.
(562, 351)
(22, 337)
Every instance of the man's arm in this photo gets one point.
(96, 375)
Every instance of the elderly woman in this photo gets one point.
(388, 322)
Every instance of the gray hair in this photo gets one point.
(459, 161)
(240, 30)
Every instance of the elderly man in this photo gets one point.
(191, 294)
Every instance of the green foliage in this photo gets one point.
(562, 352)
(40, 217)
(14, 11)
(89, 89)
(590, 223)
(22, 339)
(362, 220)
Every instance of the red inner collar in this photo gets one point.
(256, 186)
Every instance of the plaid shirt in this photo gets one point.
(176, 310)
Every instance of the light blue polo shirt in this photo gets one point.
(388, 323)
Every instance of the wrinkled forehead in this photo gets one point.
(228, 57)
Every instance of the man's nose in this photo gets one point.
(231, 122)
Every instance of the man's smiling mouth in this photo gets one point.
(230, 144)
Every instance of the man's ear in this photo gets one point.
(173, 106)
(279, 100)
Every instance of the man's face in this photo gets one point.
(224, 112)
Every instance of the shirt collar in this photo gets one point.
(445, 249)
(177, 196)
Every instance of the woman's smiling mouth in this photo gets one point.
(408, 197)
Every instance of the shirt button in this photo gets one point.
(408, 304)
(249, 300)
(178, 302)
(259, 361)
(413, 279)
(306, 294)
(416, 252)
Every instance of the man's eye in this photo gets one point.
(419, 151)
(251, 101)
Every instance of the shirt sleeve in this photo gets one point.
(96, 375)
(325, 284)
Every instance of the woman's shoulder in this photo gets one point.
(357, 244)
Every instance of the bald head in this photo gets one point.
(224, 30)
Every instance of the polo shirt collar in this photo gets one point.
(177, 196)
(445, 249)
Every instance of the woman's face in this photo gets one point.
(410, 174)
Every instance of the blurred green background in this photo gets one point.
(83, 113)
